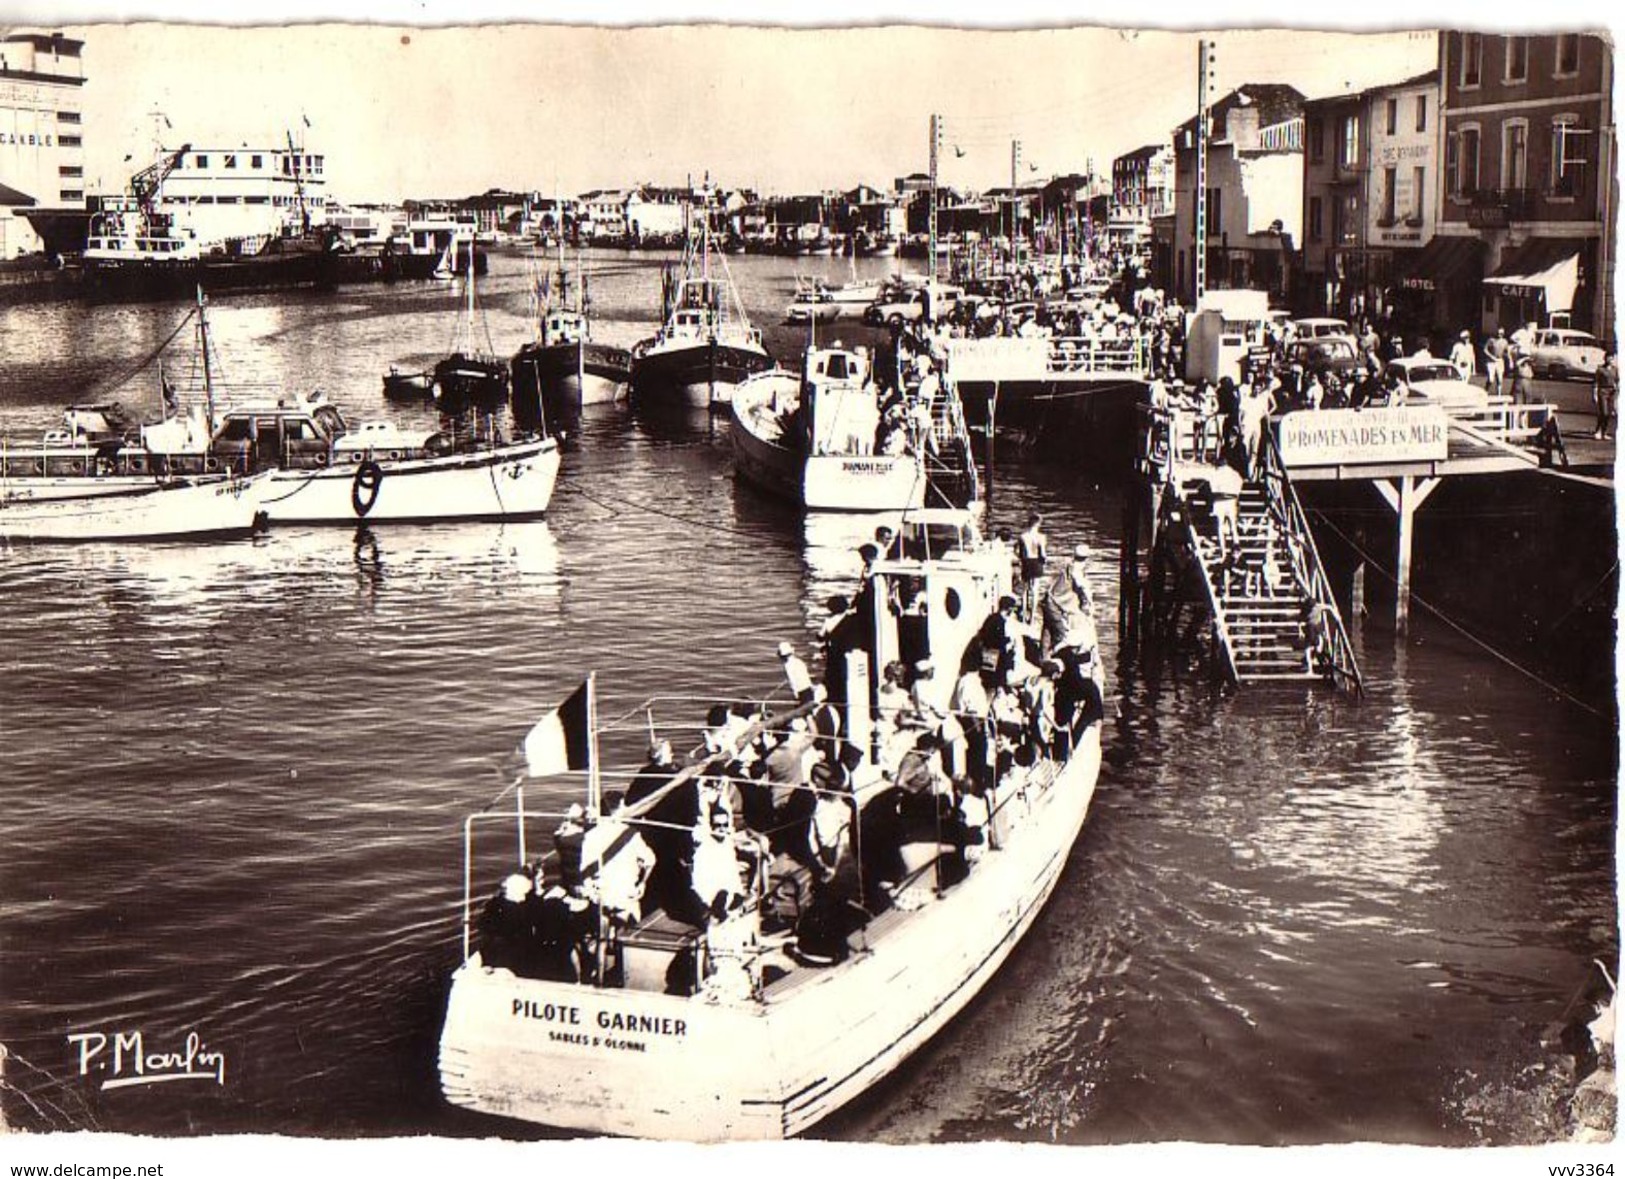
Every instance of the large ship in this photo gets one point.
(241, 219)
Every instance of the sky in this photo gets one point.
(419, 111)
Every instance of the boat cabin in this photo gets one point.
(564, 327)
(841, 404)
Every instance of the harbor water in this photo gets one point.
(233, 779)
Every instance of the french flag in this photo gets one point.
(561, 740)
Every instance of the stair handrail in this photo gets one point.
(1278, 490)
(1215, 602)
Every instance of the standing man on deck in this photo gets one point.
(1032, 547)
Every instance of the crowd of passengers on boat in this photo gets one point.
(755, 850)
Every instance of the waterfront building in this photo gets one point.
(1369, 160)
(42, 157)
(603, 214)
(1255, 191)
(1142, 190)
(1528, 126)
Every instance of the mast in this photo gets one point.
(208, 371)
(1205, 61)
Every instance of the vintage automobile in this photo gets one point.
(1562, 353)
(1319, 328)
(1326, 354)
(1427, 380)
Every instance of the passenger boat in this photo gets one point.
(176, 510)
(706, 344)
(565, 368)
(813, 437)
(675, 1019)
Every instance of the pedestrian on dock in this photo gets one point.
(1461, 355)
(1495, 362)
(1605, 393)
(1523, 372)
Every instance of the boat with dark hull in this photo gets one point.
(706, 344)
(564, 368)
(470, 380)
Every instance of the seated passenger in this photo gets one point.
(725, 865)
(567, 844)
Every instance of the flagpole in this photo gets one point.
(519, 815)
(594, 805)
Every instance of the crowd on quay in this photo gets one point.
(756, 843)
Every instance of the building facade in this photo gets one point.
(1142, 190)
(1529, 142)
(1370, 160)
(1255, 192)
(42, 157)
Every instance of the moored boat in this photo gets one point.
(565, 369)
(608, 988)
(706, 344)
(399, 386)
(817, 438)
(179, 510)
(470, 380)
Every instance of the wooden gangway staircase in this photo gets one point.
(1267, 601)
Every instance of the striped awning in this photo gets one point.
(1443, 262)
(1549, 265)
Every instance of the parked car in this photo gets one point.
(909, 306)
(1561, 353)
(1318, 328)
(1327, 354)
(1427, 380)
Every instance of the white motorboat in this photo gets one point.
(644, 1024)
(184, 510)
(816, 438)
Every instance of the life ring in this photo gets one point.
(211, 463)
(321, 458)
(76, 467)
(138, 464)
(369, 477)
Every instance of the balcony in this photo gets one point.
(1494, 208)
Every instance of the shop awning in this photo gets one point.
(1443, 262)
(1548, 264)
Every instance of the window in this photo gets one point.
(202, 161)
(68, 117)
(1390, 196)
(231, 161)
(1419, 187)
(70, 170)
(1517, 66)
(1568, 55)
(1314, 219)
(1421, 112)
(256, 162)
(69, 141)
(1515, 154)
(1462, 160)
(1215, 211)
(1348, 154)
(1346, 213)
(71, 194)
(1570, 155)
(1472, 59)
(1393, 116)
(1317, 140)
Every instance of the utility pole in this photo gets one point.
(931, 215)
(1015, 213)
(1205, 67)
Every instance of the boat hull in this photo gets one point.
(694, 376)
(661, 1066)
(552, 383)
(190, 511)
(828, 483)
(510, 482)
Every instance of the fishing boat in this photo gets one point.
(706, 344)
(399, 386)
(759, 1009)
(817, 438)
(469, 380)
(565, 369)
(176, 510)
